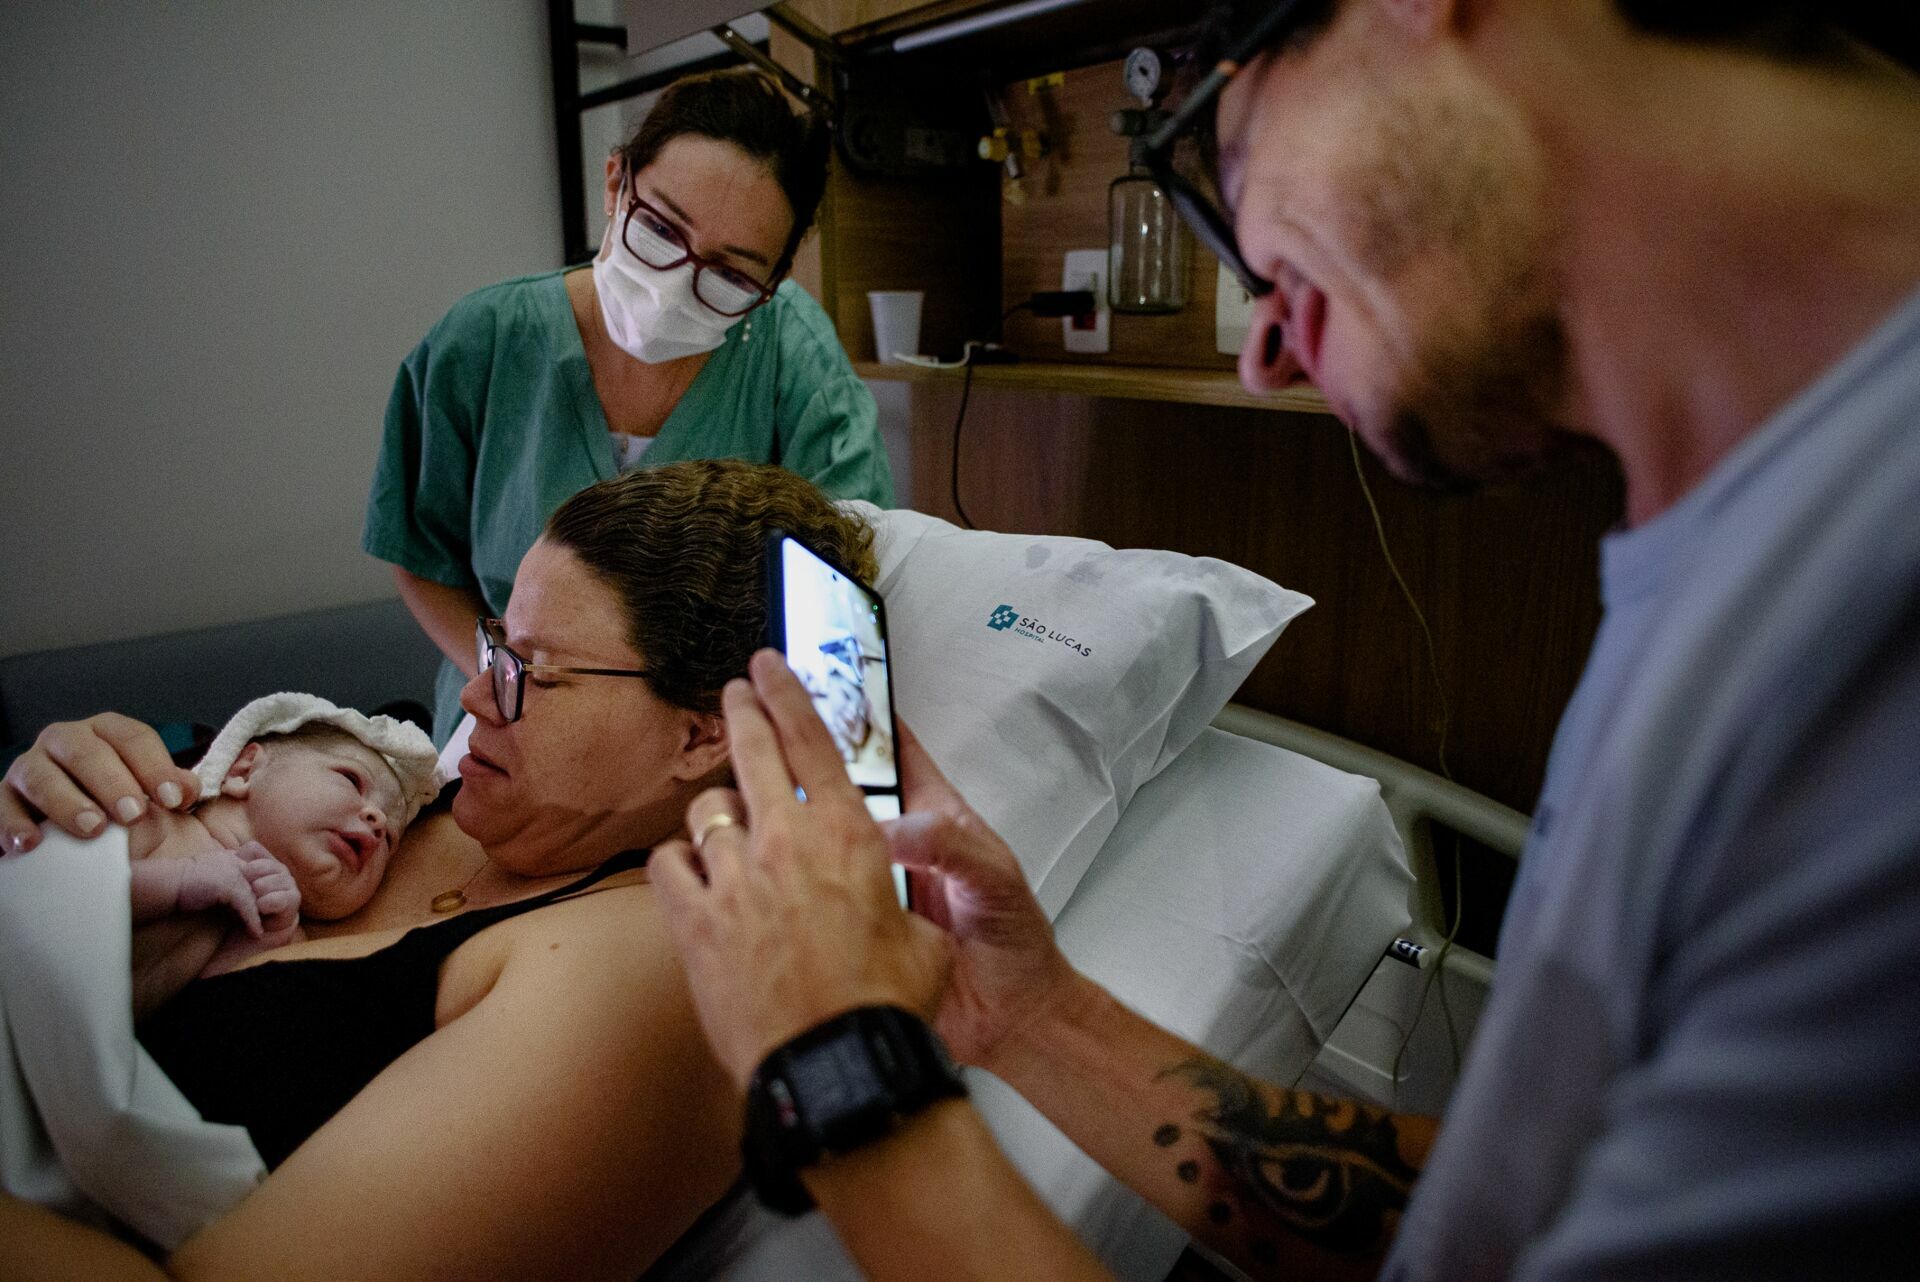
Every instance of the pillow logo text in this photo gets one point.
(1005, 618)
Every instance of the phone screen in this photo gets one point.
(833, 631)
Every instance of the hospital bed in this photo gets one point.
(1266, 890)
(1272, 895)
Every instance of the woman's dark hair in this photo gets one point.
(747, 109)
(684, 547)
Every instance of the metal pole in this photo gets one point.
(653, 80)
(564, 59)
(596, 33)
(750, 52)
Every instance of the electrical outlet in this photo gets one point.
(1086, 269)
(1232, 314)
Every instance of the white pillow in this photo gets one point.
(1051, 677)
(1242, 902)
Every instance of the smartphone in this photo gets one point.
(833, 630)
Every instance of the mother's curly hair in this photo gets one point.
(684, 546)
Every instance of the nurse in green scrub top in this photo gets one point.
(683, 340)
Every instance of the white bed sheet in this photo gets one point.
(1242, 902)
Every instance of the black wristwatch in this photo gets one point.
(835, 1087)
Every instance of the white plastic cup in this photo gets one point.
(896, 323)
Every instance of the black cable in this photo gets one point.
(966, 393)
(966, 390)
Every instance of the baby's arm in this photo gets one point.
(276, 898)
(170, 947)
(169, 954)
(156, 887)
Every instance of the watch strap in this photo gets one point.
(795, 1116)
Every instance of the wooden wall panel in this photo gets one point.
(937, 234)
(1507, 577)
(1066, 208)
(836, 16)
(931, 235)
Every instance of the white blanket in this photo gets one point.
(88, 1122)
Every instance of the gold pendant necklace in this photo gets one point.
(452, 901)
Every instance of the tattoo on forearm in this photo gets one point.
(1331, 1170)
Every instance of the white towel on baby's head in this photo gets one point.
(404, 747)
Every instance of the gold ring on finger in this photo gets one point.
(713, 824)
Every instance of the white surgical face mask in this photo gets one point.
(650, 314)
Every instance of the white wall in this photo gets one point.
(222, 225)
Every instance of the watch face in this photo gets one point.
(835, 1081)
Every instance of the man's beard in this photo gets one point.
(1487, 390)
(1484, 407)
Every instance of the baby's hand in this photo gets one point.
(250, 881)
(274, 899)
(219, 877)
(276, 896)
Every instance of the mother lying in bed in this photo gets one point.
(516, 1087)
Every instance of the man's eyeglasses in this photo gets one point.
(1214, 228)
(652, 237)
(509, 670)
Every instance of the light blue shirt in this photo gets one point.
(1702, 1054)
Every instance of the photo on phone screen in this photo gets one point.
(833, 631)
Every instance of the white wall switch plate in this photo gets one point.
(1232, 314)
(1087, 269)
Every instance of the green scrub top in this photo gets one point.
(494, 422)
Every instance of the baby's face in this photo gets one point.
(328, 810)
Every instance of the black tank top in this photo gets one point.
(281, 1047)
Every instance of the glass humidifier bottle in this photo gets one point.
(1149, 255)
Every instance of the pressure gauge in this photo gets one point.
(1144, 75)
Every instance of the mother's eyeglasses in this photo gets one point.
(509, 670)
(1213, 228)
(655, 240)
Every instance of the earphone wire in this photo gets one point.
(1436, 973)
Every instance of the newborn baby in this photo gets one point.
(304, 804)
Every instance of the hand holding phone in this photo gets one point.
(833, 631)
